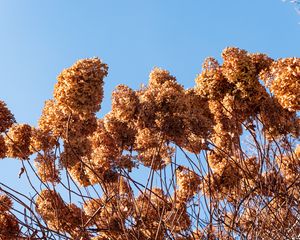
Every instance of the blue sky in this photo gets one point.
(40, 38)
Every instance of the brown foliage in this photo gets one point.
(237, 131)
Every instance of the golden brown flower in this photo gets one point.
(188, 183)
(60, 216)
(125, 103)
(80, 174)
(261, 61)
(41, 140)
(284, 81)
(79, 88)
(198, 123)
(18, 141)
(46, 167)
(5, 203)
(74, 219)
(122, 133)
(237, 66)
(6, 117)
(159, 76)
(9, 227)
(152, 149)
(104, 213)
(278, 121)
(66, 125)
(151, 204)
(50, 206)
(162, 105)
(211, 83)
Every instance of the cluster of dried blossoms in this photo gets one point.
(9, 227)
(237, 128)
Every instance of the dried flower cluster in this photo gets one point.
(284, 82)
(9, 227)
(79, 89)
(238, 130)
(17, 141)
(60, 216)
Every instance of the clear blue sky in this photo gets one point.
(40, 38)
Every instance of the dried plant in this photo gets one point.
(218, 161)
